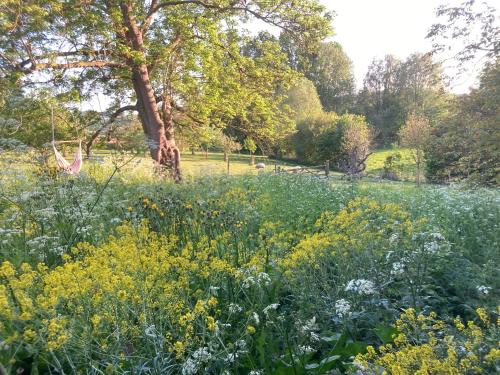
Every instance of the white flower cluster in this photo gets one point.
(484, 290)
(193, 364)
(260, 279)
(398, 268)
(361, 286)
(235, 308)
(342, 308)
(305, 349)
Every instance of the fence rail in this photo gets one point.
(320, 171)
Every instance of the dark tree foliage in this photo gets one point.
(465, 145)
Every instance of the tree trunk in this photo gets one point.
(252, 159)
(159, 132)
(419, 161)
(225, 155)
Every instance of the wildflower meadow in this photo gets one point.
(112, 272)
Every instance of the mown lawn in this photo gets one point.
(405, 167)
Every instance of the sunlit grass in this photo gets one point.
(406, 166)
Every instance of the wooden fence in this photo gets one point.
(319, 171)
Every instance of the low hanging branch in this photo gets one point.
(112, 118)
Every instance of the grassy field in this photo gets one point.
(118, 272)
(405, 167)
(203, 165)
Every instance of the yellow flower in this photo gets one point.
(211, 325)
(179, 349)
(29, 334)
(250, 329)
(212, 302)
(483, 315)
(96, 319)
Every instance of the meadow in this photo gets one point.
(118, 272)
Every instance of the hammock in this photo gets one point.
(62, 163)
(75, 166)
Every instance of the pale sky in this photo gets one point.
(374, 28)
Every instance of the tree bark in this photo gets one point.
(159, 131)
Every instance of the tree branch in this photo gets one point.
(112, 118)
(75, 64)
(231, 6)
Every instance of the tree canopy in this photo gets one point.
(174, 62)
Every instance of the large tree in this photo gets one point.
(394, 88)
(169, 59)
(327, 66)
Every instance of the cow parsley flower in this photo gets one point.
(484, 290)
(342, 308)
(397, 268)
(235, 308)
(361, 286)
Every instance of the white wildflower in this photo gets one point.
(361, 286)
(231, 357)
(190, 367)
(397, 268)
(248, 282)
(256, 318)
(482, 289)
(234, 308)
(342, 308)
(431, 247)
(202, 355)
(264, 278)
(270, 307)
(305, 349)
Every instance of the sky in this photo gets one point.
(374, 28)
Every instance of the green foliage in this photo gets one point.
(331, 71)
(327, 66)
(192, 52)
(393, 89)
(323, 137)
(399, 161)
(465, 144)
(302, 100)
(27, 119)
(391, 166)
(250, 145)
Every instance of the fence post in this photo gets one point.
(327, 168)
